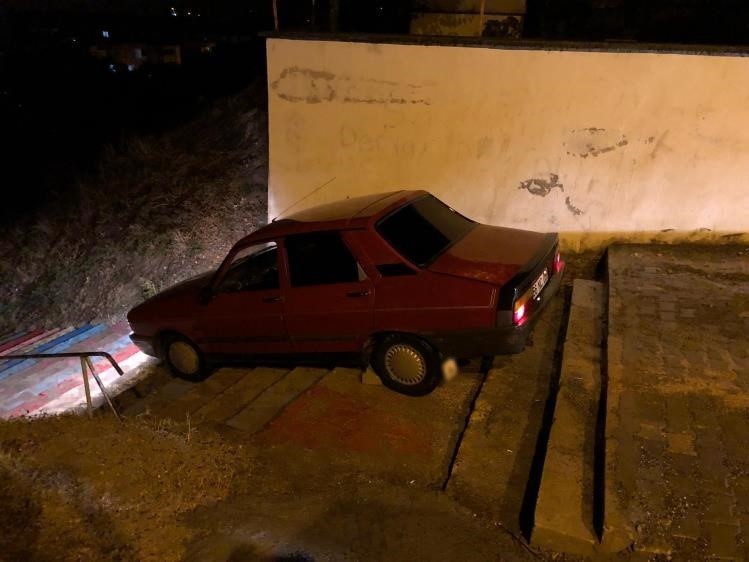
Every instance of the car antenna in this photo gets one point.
(310, 194)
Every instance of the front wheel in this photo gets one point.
(184, 358)
(407, 364)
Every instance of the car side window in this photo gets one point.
(320, 258)
(253, 269)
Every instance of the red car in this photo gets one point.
(399, 279)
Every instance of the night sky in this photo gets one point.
(59, 105)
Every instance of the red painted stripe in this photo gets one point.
(28, 347)
(16, 342)
(37, 340)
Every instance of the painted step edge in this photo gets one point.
(57, 345)
(26, 344)
(18, 339)
(68, 378)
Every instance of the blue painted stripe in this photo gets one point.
(56, 345)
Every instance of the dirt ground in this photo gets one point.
(79, 489)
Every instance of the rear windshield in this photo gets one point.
(423, 229)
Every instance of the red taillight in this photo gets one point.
(519, 314)
(557, 262)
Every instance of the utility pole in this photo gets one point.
(334, 6)
(481, 18)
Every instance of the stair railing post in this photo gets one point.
(101, 387)
(84, 372)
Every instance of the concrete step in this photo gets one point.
(160, 398)
(239, 395)
(200, 394)
(253, 417)
(564, 516)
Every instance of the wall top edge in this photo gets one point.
(516, 44)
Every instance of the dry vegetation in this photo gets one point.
(71, 489)
(159, 209)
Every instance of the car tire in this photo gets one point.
(407, 364)
(184, 358)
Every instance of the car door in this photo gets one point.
(329, 301)
(245, 314)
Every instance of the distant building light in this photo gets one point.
(112, 67)
(105, 34)
(173, 11)
(130, 67)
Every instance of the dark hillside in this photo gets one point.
(158, 209)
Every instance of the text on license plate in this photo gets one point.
(540, 283)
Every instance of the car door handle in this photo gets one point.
(355, 294)
(273, 299)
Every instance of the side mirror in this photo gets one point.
(206, 295)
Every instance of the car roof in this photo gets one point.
(353, 212)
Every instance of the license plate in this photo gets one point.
(540, 283)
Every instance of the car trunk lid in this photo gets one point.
(495, 254)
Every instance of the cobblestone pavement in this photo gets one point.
(679, 398)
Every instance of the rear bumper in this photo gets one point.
(145, 344)
(479, 342)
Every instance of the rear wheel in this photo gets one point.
(184, 358)
(407, 364)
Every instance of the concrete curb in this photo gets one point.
(564, 517)
(618, 533)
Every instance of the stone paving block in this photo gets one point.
(678, 417)
(649, 430)
(722, 542)
(674, 456)
(268, 405)
(687, 526)
(720, 509)
(680, 443)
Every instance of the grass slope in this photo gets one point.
(159, 209)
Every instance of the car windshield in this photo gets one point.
(423, 229)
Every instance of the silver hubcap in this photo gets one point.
(184, 357)
(405, 364)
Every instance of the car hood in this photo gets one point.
(171, 301)
(493, 254)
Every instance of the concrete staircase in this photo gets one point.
(240, 399)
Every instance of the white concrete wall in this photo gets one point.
(594, 145)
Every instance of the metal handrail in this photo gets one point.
(86, 365)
